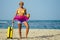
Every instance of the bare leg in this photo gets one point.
(19, 27)
(27, 28)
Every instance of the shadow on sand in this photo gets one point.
(44, 36)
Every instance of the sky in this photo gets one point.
(38, 9)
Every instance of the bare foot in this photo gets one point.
(26, 36)
(20, 37)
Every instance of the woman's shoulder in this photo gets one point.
(18, 8)
(24, 8)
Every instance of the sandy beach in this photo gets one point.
(34, 34)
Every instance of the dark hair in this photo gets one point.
(21, 3)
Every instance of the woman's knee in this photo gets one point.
(19, 26)
(26, 24)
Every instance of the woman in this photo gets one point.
(22, 17)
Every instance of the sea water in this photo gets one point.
(33, 24)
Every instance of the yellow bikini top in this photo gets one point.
(20, 11)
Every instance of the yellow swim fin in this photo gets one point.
(10, 32)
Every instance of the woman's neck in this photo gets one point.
(21, 7)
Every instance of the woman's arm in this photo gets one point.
(14, 16)
(16, 12)
(25, 12)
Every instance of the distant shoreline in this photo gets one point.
(33, 24)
